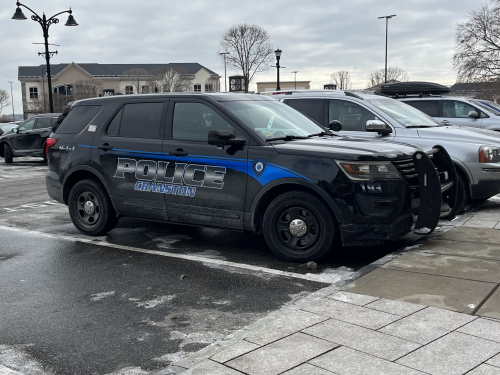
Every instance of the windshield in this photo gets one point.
(7, 128)
(405, 114)
(271, 119)
(488, 106)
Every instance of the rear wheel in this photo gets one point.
(462, 195)
(44, 152)
(298, 227)
(7, 152)
(90, 208)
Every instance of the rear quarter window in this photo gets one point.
(78, 118)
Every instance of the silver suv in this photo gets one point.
(458, 111)
(476, 153)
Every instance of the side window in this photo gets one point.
(352, 116)
(78, 118)
(27, 125)
(483, 115)
(454, 109)
(114, 125)
(43, 122)
(429, 107)
(312, 108)
(193, 122)
(141, 120)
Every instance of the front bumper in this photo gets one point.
(485, 189)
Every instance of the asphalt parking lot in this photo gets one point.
(142, 296)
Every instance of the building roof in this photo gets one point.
(108, 70)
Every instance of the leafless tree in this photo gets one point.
(477, 49)
(40, 104)
(249, 50)
(89, 88)
(4, 99)
(342, 79)
(394, 74)
(172, 79)
(212, 83)
(137, 78)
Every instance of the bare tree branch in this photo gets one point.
(342, 79)
(172, 79)
(138, 78)
(89, 88)
(4, 99)
(376, 78)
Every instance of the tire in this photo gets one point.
(7, 152)
(45, 159)
(462, 194)
(320, 227)
(102, 219)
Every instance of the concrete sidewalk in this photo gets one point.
(433, 310)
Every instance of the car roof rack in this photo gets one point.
(416, 89)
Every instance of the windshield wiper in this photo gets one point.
(328, 132)
(288, 137)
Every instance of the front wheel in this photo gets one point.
(298, 227)
(90, 208)
(7, 152)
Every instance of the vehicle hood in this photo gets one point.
(346, 148)
(461, 134)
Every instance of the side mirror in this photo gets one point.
(473, 114)
(378, 126)
(15, 130)
(221, 138)
(335, 125)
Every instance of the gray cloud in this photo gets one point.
(317, 36)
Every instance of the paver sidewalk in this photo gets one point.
(433, 310)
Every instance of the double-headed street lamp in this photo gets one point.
(45, 23)
(386, 28)
(277, 53)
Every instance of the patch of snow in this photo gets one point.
(222, 302)
(99, 296)
(155, 302)
(472, 306)
(423, 230)
(130, 370)
(331, 275)
(17, 361)
(166, 241)
(408, 248)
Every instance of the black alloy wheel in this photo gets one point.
(88, 208)
(298, 227)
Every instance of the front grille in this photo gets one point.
(407, 169)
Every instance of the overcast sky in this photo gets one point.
(317, 37)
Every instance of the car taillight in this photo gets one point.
(50, 142)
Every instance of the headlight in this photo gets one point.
(489, 154)
(368, 170)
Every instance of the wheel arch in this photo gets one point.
(253, 219)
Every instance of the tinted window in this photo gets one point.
(141, 120)
(78, 118)
(312, 108)
(43, 122)
(429, 107)
(352, 116)
(454, 109)
(114, 125)
(27, 125)
(193, 121)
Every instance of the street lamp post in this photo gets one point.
(43, 92)
(225, 74)
(12, 100)
(386, 33)
(295, 78)
(45, 24)
(277, 53)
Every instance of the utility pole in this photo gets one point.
(295, 79)
(12, 101)
(225, 74)
(386, 34)
(43, 90)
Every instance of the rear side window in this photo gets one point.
(429, 107)
(138, 120)
(43, 122)
(78, 118)
(312, 108)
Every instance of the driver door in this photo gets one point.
(204, 184)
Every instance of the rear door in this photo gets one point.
(128, 153)
(456, 112)
(204, 184)
(23, 142)
(429, 107)
(43, 124)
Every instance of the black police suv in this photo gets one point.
(29, 138)
(243, 162)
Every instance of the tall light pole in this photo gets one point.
(45, 24)
(277, 53)
(225, 74)
(295, 79)
(12, 100)
(43, 91)
(386, 33)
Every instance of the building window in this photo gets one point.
(145, 89)
(129, 90)
(33, 92)
(209, 88)
(197, 88)
(64, 90)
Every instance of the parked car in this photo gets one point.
(492, 105)
(8, 127)
(243, 162)
(475, 152)
(29, 138)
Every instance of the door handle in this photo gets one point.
(178, 153)
(105, 147)
(444, 122)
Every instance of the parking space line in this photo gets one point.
(310, 277)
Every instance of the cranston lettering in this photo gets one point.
(157, 177)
